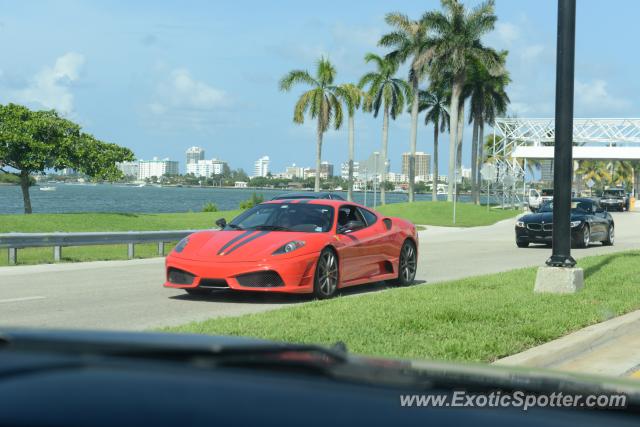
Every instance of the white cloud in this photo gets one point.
(507, 32)
(531, 53)
(594, 97)
(182, 91)
(51, 87)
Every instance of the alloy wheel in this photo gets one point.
(408, 263)
(328, 273)
(586, 236)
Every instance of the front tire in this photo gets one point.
(325, 279)
(610, 240)
(586, 237)
(407, 264)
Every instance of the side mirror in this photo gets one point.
(222, 223)
(351, 226)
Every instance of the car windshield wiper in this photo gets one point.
(272, 227)
(235, 226)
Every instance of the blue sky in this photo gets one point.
(160, 76)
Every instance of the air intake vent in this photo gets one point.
(387, 223)
(263, 279)
(180, 277)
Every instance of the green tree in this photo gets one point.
(457, 42)
(321, 102)
(596, 171)
(488, 99)
(386, 91)
(434, 103)
(352, 97)
(409, 43)
(36, 141)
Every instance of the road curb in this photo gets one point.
(568, 347)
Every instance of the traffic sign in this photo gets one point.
(488, 172)
(590, 183)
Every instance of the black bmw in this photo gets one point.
(589, 223)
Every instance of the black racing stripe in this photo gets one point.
(235, 239)
(304, 201)
(354, 238)
(245, 241)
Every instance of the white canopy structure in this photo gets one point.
(529, 138)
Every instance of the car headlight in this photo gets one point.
(575, 223)
(520, 224)
(181, 245)
(289, 247)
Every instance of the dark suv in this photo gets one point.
(614, 199)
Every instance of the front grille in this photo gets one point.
(180, 277)
(213, 284)
(263, 279)
(547, 227)
(534, 227)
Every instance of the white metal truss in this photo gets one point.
(523, 138)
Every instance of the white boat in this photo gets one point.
(47, 188)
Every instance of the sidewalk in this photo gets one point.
(609, 348)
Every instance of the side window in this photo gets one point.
(369, 216)
(347, 214)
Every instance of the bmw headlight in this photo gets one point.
(181, 245)
(289, 247)
(575, 223)
(520, 224)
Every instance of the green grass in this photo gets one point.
(101, 222)
(441, 213)
(480, 318)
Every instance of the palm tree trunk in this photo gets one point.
(24, 185)
(481, 157)
(318, 157)
(385, 142)
(474, 161)
(453, 108)
(351, 154)
(434, 190)
(413, 141)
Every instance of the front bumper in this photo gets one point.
(296, 273)
(524, 235)
(617, 204)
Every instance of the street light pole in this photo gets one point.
(563, 161)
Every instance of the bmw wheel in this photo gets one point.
(586, 237)
(407, 264)
(325, 281)
(610, 240)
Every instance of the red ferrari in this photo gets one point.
(298, 246)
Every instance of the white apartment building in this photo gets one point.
(129, 168)
(157, 168)
(293, 171)
(206, 168)
(261, 166)
(344, 170)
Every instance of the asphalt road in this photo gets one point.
(127, 295)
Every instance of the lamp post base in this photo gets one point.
(561, 261)
(559, 280)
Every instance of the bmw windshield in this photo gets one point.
(576, 207)
(301, 217)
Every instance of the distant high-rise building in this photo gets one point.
(261, 166)
(206, 168)
(129, 168)
(546, 170)
(344, 170)
(157, 168)
(465, 172)
(423, 165)
(326, 170)
(293, 171)
(194, 154)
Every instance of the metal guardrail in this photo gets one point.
(15, 241)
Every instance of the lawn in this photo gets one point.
(480, 318)
(441, 213)
(101, 222)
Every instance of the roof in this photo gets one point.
(309, 195)
(327, 202)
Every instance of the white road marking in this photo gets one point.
(20, 299)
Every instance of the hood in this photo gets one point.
(547, 217)
(245, 245)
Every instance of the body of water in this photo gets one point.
(123, 198)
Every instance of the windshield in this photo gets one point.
(547, 193)
(310, 218)
(613, 193)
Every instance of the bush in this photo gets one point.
(209, 207)
(255, 199)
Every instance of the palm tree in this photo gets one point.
(352, 97)
(408, 40)
(321, 102)
(622, 173)
(435, 103)
(488, 99)
(388, 92)
(455, 44)
(593, 170)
